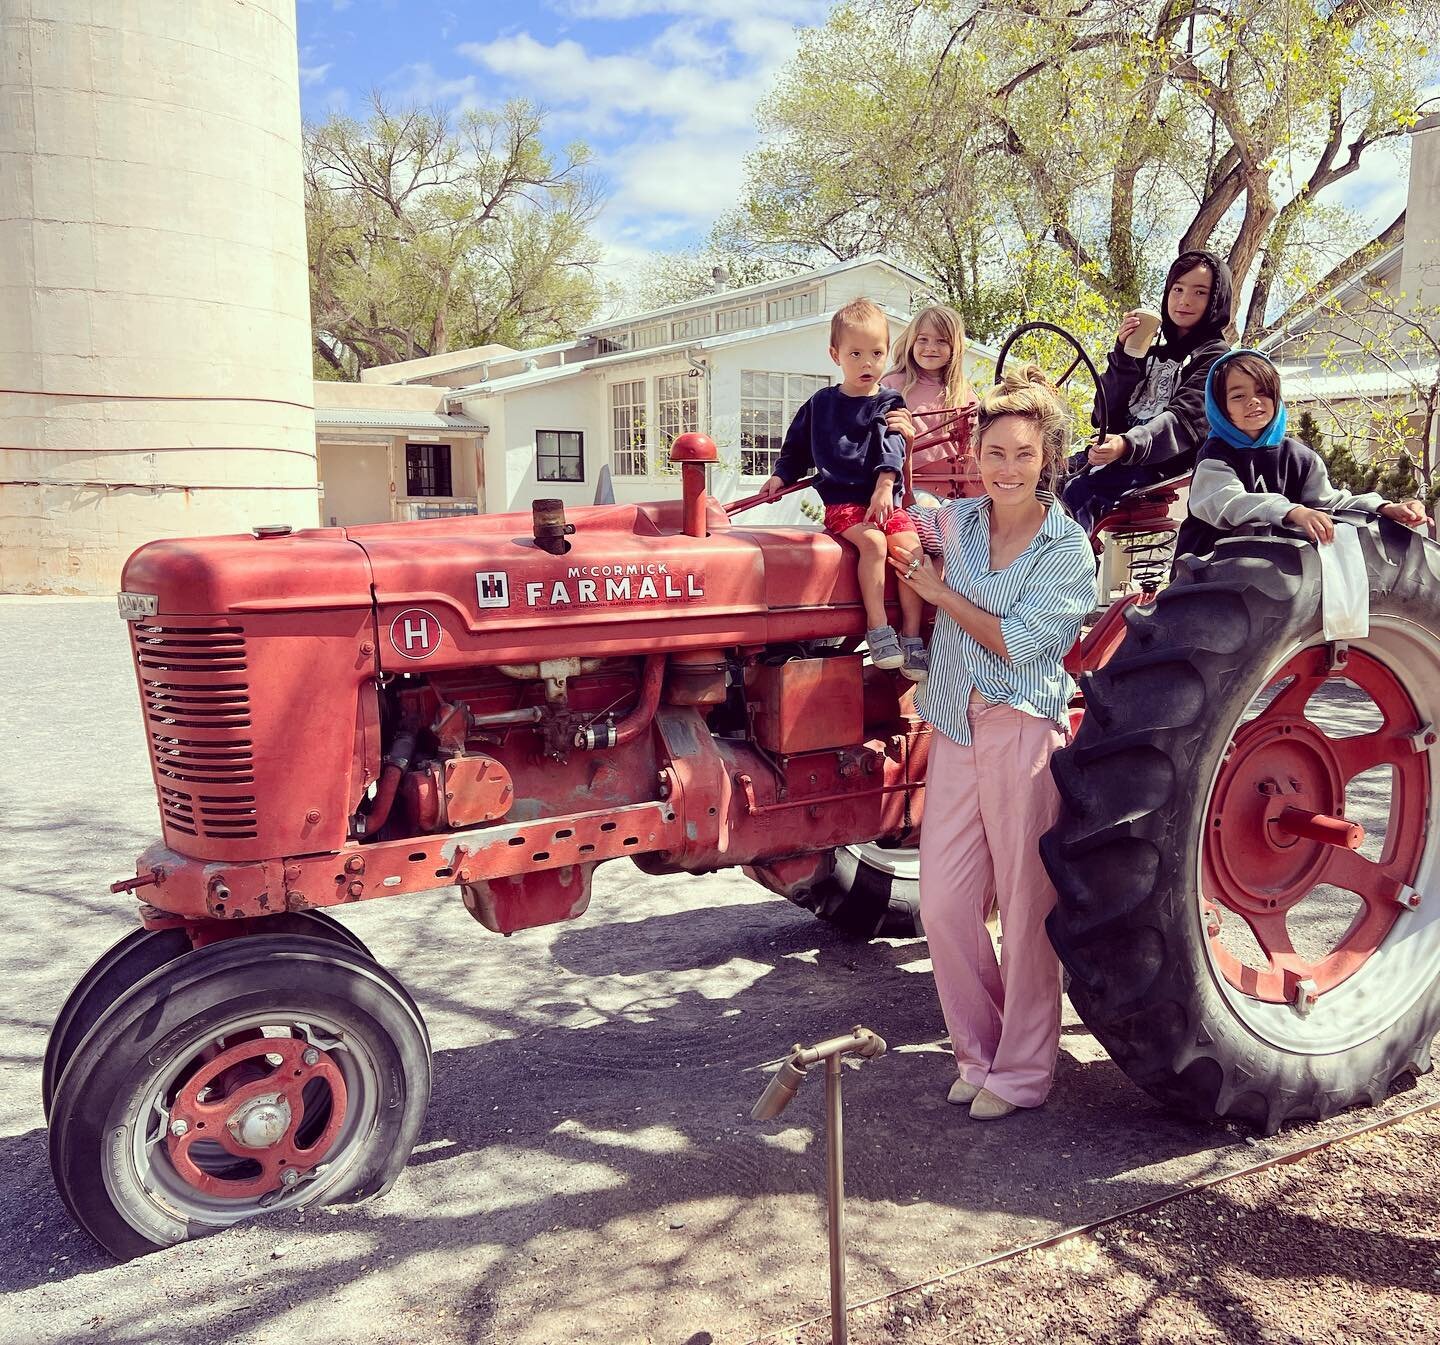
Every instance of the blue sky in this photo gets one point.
(664, 91)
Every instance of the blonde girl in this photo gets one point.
(928, 371)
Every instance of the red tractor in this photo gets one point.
(501, 703)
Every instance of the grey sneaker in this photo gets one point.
(917, 658)
(885, 651)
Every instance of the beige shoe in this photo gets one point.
(961, 1092)
(988, 1107)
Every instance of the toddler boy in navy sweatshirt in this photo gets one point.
(841, 434)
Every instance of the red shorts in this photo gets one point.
(840, 517)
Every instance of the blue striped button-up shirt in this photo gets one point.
(1041, 598)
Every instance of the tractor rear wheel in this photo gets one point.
(260, 1073)
(128, 962)
(1203, 798)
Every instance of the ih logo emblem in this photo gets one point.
(492, 588)
(415, 633)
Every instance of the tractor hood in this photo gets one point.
(216, 576)
(456, 592)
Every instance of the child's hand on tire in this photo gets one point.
(1409, 512)
(1317, 525)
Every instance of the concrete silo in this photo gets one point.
(155, 375)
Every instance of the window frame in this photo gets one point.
(788, 307)
(560, 457)
(795, 390)
(417, 473)
(684, 419)
(637, 430)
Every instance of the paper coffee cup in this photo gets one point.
(1143, 336)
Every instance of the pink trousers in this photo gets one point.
(986, 807)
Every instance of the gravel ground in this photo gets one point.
(587, 1171)
(1340, 1246)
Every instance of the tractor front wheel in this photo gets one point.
(133, 958)
(1235, 942)
(260, 1073)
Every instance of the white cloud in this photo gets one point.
(670, 116)
(673, 119)
(314, 74)
(677, 179)
(607, 90)
(418, 85)
(1378, 188)
(797, 11)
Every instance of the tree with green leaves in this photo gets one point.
(1371, 327)
(428, 233)
(972, 137)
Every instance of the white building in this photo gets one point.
(543, 423)
(1360, 350)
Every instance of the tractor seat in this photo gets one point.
(1145, 509)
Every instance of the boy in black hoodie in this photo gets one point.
(1156, 403)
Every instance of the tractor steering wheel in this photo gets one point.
(1055, 345)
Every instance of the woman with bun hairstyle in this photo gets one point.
(1017, 576)
(928, 371)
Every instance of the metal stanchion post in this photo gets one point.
(835, 1171)
(776, 1097)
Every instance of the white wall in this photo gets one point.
(875, 282)
(565, 404)
(356, 478)
(154, 302)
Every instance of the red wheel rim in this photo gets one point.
(247, 1111)
(1255, 870)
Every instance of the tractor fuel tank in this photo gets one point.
(807, 704)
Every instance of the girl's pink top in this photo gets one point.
(946, 457)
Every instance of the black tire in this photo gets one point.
(131, 960)
(1125, 854)
(109, 1146)
(867, 896)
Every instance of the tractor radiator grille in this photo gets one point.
(197, 708)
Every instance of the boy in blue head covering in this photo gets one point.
(1250, 471)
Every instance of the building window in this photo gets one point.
(768, 403)
(677, 412)
(687, 329)
(627, 429)
(793, 306)
(559, 455)
(427, 470)
(737, 319)
(656, 334)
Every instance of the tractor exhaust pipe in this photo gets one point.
(694, 453)
(547, 521)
